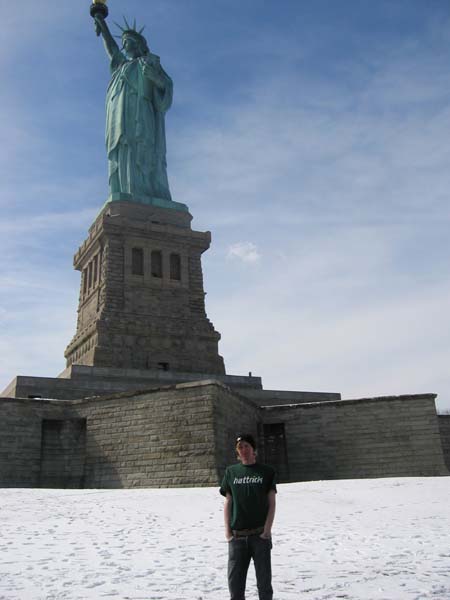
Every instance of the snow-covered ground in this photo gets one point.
(357, 539)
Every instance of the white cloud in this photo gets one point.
(245, 251)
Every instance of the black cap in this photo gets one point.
(246, 437)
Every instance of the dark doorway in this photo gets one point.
(275, 451)
(63, 450)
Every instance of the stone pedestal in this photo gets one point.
(141, 302)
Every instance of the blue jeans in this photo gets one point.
(240, 551)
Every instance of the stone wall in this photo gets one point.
(21, 439)
(157, 438)
(183, 435)
(444, 428)
(373, 437)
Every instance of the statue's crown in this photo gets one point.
(128, 30)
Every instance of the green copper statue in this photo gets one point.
(138, 96)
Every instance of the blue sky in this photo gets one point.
(311, 138)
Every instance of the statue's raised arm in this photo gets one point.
(138, 96)
(101, 28)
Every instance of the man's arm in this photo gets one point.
(266, 534)
(227, 516)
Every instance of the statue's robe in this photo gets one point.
(135, 130)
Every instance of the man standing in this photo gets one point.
(249, 489)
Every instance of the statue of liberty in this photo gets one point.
(138, 96)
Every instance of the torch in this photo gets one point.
(98, 7)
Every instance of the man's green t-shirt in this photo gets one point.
(249, 486)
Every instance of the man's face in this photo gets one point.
(245, 452)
